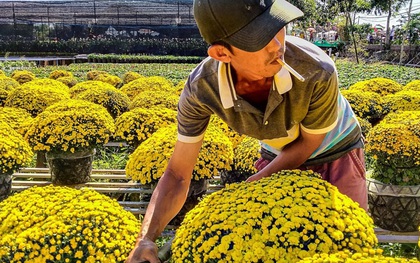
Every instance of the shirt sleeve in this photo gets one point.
(322, 114)
(193, 116)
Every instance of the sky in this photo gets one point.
(360, 18)
(381, 19)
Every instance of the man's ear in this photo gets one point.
(219, 52)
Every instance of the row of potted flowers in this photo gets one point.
(157, 138)
(116, 58)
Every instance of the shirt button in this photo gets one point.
(266, 123)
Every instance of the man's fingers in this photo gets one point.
(261, 163)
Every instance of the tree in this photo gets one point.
(413, 28)
(330, 9)
(391, 7)
(308, 7)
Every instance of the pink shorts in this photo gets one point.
(348, 174)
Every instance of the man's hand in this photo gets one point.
(144, 251)
(261, 163)
(254, 177)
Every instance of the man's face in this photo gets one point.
(260, 64)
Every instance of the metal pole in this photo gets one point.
(14, 22)
(408, 32)
(48, 23)
(118, 15)
(94, 12)
(42, 29)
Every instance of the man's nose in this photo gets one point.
(274, 45)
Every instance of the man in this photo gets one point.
(392, 34)
(301, 124)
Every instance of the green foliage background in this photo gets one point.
(349, 72)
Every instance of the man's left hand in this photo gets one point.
(254, 177)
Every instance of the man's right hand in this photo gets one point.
(145, 251)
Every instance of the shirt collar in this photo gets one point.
(282, 82)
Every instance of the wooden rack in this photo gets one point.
(115, 183)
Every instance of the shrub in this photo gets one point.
(395, 148)
(406, 100)
(68, 81)
(61, 224)
(155, 83)
(115, 101)
(70, 125)
(148, 162)
(14, 150)
(286, 217)
(130, 76)
(366, 256)
(365, 104)
(8, 84)
(86, 85)
(110, 79)
(47, 83)
(382, 86)
(35, 97)
(233, 135)
(55, 74)
(18, 119)
(155, 98)
(180, 86)
(22, 76)
(365, 125)
(91, 75)
(245, 154)
(137, 125)
(3, 96)
(413, 85)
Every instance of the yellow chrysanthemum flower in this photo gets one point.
(283, 218)
(14, 150)
(148, 162)
(70, 125)
(61, 224)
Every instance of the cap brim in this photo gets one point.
(258, 33)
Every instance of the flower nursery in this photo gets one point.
(292, 216)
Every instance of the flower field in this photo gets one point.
(69, 108)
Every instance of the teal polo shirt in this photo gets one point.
(315, 105)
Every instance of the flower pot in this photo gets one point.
(233, 176)
(68, 168)
(393, 207)
(5, 185)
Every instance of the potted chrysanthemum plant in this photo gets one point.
(366, 104)
(367, 255)
(149, 161)
(138, 124)
(394, 183)
(115, 101)
(14, 153)
(155, 98)
(245, 154)
(36, 95)
(286, 217)
(62, 224)
(68, 133)
(135, 87)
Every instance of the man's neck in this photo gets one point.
(255, 92)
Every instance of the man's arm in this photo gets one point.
(167, 200)
(292, 155)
